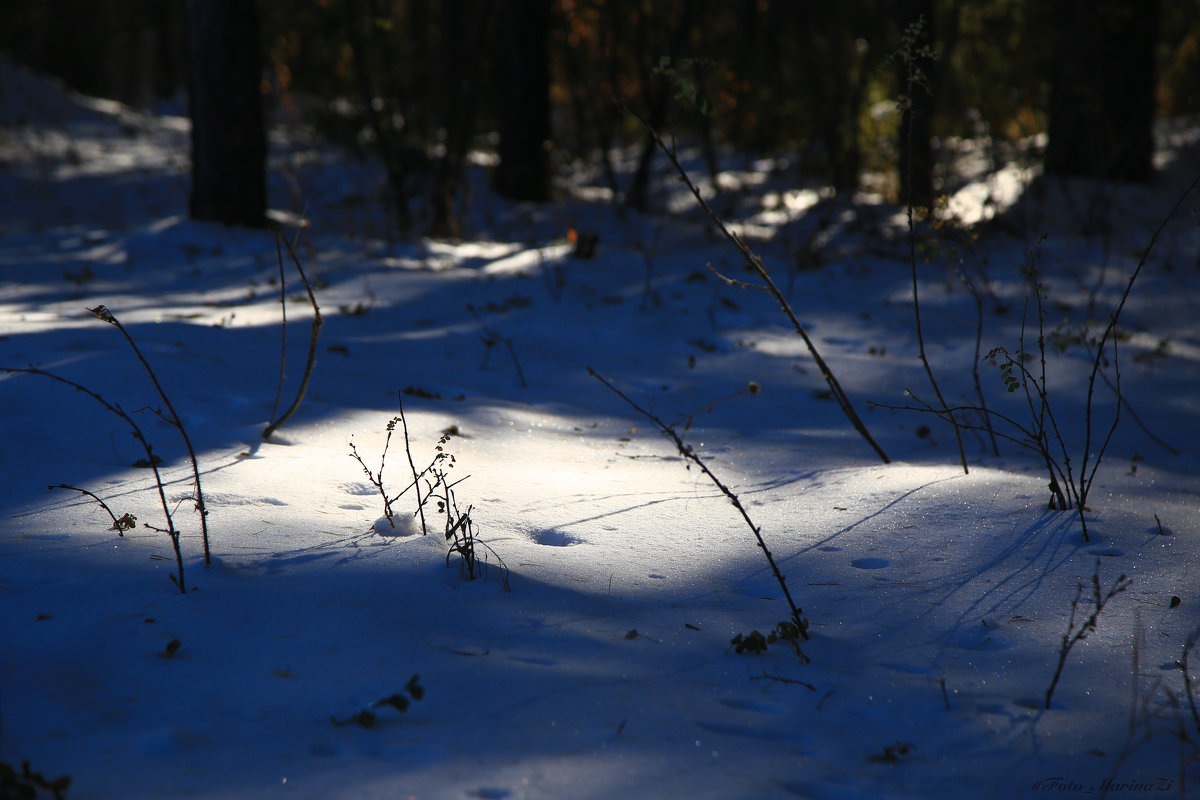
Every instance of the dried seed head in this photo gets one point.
(103, 313)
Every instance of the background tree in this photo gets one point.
(1102, 102)
(229, 144)
(800, 80)
(524, 112)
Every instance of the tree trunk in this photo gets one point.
(1102, 97)
(462, 29)
(524, 170)
(229, 145)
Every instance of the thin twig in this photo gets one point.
(126, 522)
(377, 480)
(282, 325)
(914, 79)
(1129, 409)
(151, 459)
(752, 388)
(104, 314)
(777, 678)
(408, 451)
(1086, 478)
(1043, 410)
(1074, 635)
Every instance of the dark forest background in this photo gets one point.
(420, 83)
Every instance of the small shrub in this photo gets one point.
(434, 487)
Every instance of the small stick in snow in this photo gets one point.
(689, 454)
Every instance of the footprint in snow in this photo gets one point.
(555, 538)
(870, 563)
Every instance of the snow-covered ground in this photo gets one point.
(938, 600)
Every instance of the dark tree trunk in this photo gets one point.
(229, 145)
(461, 34)
(1102, 97)
(524, 170)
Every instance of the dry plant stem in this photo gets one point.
(142, 440)
(1082, 488)
(753, 388)
(688, 453)
(116, 526)
(912, 253)
(411, 465)
(104, 314)
(1035, 439)
(769, 286)
(312, 344)
(377, 480)
(1060, 473)
(912, 258)
(777, 678)
(1073, 636)
(1030, 440)
(974, 290)
(1124, 401)
(1085, 478)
